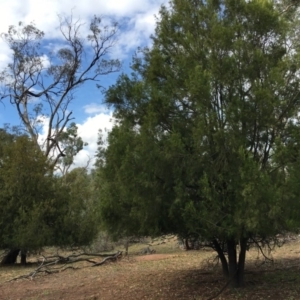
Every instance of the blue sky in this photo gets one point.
(136, 24)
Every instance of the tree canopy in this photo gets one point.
(41, 82)
(206, 142)
(26, 195)
(37, 208)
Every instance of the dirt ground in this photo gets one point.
(179, 275)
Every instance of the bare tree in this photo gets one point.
(41, 82)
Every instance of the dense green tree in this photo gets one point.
(83, 215)
(38, 209)
(25, 189)
(206, 142)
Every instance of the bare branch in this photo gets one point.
(51, 79)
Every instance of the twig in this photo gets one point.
(287, 8)
(261, 250)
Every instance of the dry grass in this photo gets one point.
(177, 275)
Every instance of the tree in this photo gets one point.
(37, 209)
(40, 83)
(208, 127)
(72, 145)
(24, 180)
(83, 214)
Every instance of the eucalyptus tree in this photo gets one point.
(207, 134)
(41, 81)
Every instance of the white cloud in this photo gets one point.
(44, 13)
(4, 55)
(43, 122)
(88, 131)
(45, 61)
(137, 23)
(94, 108)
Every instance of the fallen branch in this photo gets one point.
(58, 263)
(112, 258)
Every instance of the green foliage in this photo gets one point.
(72, 145)
(24, 194)
(38, 209)
(207, 137)
(82, 215)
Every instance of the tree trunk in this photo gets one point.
(187, 246)
(233, 268)
(241, 263)
(232, 263)
(237, 267)
(126, 246)
(23, 257)
(11, 257)
(222, 258)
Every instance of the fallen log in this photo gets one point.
(57, 263)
